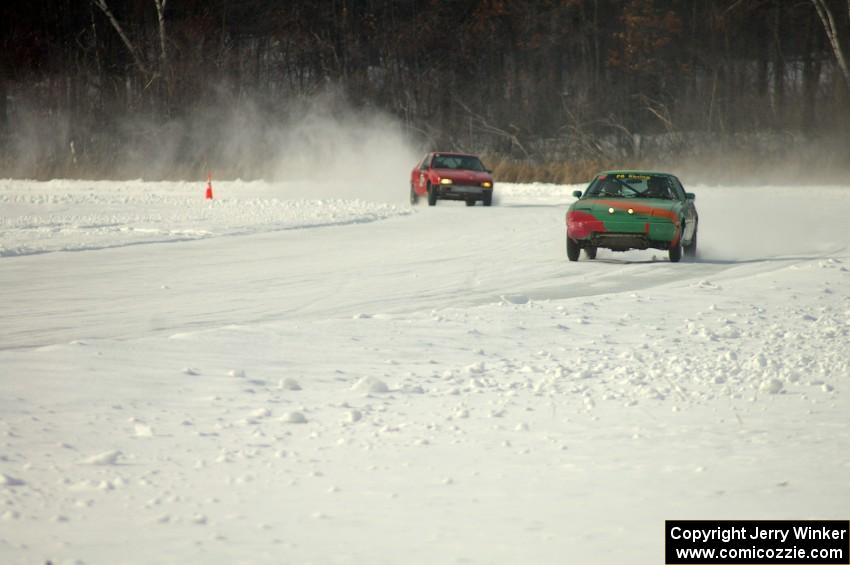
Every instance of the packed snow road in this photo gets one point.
(448, 256)
(264, 378)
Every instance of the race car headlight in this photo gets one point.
(445, 181)
(487, 184)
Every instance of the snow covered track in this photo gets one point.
(438, 387)
(66, 215)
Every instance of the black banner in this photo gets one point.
(757, 542)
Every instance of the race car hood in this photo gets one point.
(463, 176)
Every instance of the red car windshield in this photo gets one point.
(464, 162)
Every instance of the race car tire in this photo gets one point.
(590, 252)
(691, 249)
(414, 198)
(573, 250)
(487, 198)
(432, 195)
(675, 252)
(470, 202)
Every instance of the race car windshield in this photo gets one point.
(464, 162)
(631, 185)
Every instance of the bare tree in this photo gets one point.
(163, 53)
(120, 30)
(831, 29)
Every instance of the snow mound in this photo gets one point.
(370, 385)
(294, 418)
(9, 481)
(771, 386)
(105, 458)
(289, 384)
(142, 430)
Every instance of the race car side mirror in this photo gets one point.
(690, 196)
(577, 193)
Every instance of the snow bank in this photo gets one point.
(65, 215)
(535, 192)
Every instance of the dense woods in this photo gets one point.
(105, 87)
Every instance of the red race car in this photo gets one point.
(451, 176)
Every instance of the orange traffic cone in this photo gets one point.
(209, 195)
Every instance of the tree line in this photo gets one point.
(87, 83)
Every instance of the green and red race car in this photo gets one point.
(622, 210)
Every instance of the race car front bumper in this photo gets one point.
(462, 191)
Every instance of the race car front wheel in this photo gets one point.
(432, 195)
(590, 252)
(487, 198)
(572, 250)
(675, 252)
(691, 250)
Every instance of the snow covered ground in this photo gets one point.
(289, 375)
(63, 215)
